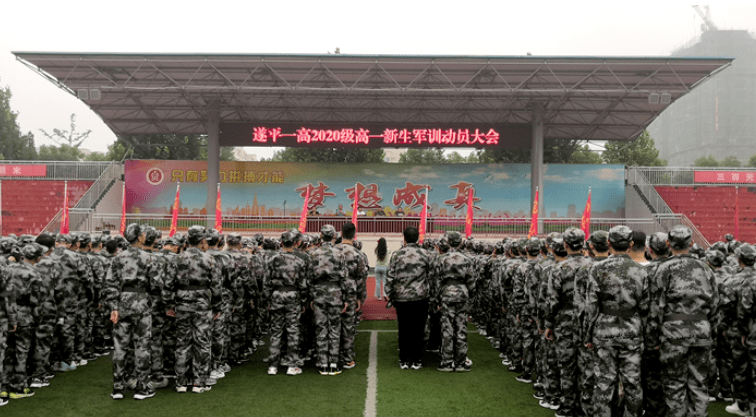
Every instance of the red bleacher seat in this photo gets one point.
(28, 206)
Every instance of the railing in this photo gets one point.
(79, 220)
(682, 176)
(64, 170)
(636, 176)
(666, 222)
(93, 194)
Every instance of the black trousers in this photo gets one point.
(411, 317)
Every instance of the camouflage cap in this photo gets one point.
(715, 258)
(328, 231)
(258, 238)
(234, 239)
(443, 245)
(557, 243)
(695, 249)
(620, 234)
(85, 239)
(25, 239)
(196, 234)
(522, 245)
(179, 239)
(658, 242)
(454, 238)
(151, 234)
(533, 246)
(720, 246)
(96, 240)
(6, 244)
(288, 237)
(599, 237)
(729, 238)
(550, 237)
(248, 243)
(73, 237)
(32, 251)
(357, 244)
(747, 254)
(680, 237)
(213, 237)
(132, 232)
(573, 237)
(62, 238)
(499, 247)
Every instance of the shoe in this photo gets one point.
(82, 362)
(545, 404)
(502, 356)
(349, 365)
(417, 366)
(515, 368)
(539, 395)
(272, 370)
(464, 368)
(207, 388)
(555, 404)
(198, 390)
(496, 344)
(525, 379)
(117, 394)
(506, 362)
(432, 350)
(3, 402)
(144, 394)
(446, 367)
(181, 390)
(732, 409)
(712, 399)
(216, 375)
(57, 367)
(160, 384)
(404, 365)
(294, 370)
(64, 367)
(131, 383)
(323, 370)
(334, 369)
(4, 394)
(561, 413)
(538, 386)
(379, 298)
(226, 368)
(212, 381)
(49, 377)
(26, 393)
(468, 361)
(39, 383)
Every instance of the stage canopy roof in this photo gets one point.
(592, 98)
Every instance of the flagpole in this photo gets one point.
(356, 207)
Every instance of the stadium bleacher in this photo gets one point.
(712, 209)
(28, 206)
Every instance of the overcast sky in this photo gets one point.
(356, 27)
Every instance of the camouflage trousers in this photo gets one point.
(529, 335)
(653, 395)
(131, 338)
(102, 330)
(566, 366)
(159, 320)
(724, 357)
(433, 329)
(16, 357)
(3, 343)
(219, 341)
(684, 374)
(454, 332)
(193, 347)
(494, 323)
(41, 348)
(285, 318)
(327, 332)
(237, 327)
(515, 337)
(169, 345)
(615, 365)
(586, 378)
(64, 338)
(82, 332)
(348, 331)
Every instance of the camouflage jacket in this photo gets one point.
(495, 295)
(542, 272)
(50, 273)
(244, 287)
(7, 299)
(29, 291)
(286, 281)
(581, 291)
(616, 302)
(561, 294)
(730, 294)
(228, 275)
(747, 305)
(652, 326)
(166, 261)
(507, 268)
(408, 274)
(72, 282)
(327, 279)
(356, 269)
(452, 279)
(196, 286)
(132, 281)
(685, 311)
(86, 295)
(522, 281)
(97, 275)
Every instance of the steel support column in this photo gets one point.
(213, 160)
(536, 162)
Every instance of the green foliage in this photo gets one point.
(13, 145)
(706, 161)
(555, 151)
(72, 138)
(169, 147)
(328, 155)
(423, 156)
(752, 161)
(641, 152)
(731, 161)
(59, 153)
(584, 155)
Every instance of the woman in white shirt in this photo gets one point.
(381, 266)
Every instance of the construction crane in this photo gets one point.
(708, 24)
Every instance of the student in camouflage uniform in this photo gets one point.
(408, 290)
(196, 296)
(683, 317)
(452, 282)
(132, 277)
(49, 272)
(220, 334)
(159, 318)
(245, 290)
(329, 294)
(356, 276)
(8, 323)
(285, 289)
(547, 384)
(616, 303)
(524, 306)
(745, 391)
(96, 279)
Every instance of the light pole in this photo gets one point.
(284, 208)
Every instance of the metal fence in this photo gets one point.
(113, 172)
(65, 170)
(636, 177)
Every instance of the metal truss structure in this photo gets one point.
(591, 98)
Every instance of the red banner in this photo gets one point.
(218, 213)
(725, 177)
(534, 219)
(424, 217)
(174, 218)
(123, 211)
(585, 222)
(64, 229)
(23, 170)
(470, 209)
(355, 207)
(303, 218)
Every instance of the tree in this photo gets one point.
(640, 152)
(585, 155)
(555, 151)
(328, 155)
(422, 156)
(731, 161)
(752, 161)
(706, 161)
(163, 146)
(71, 138)
(59, 153)
(13, 145)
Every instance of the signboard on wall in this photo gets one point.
(725, 177)
(23, 170)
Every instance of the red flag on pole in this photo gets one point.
(123, 211)
(356, 207)
(585, 222)
(737, 214)
(303, 217)
(64, 217)
(218, 213)
(424, 216)
(174, 218)
(534, 219)
(469, 220)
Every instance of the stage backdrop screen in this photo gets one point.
(278, 188)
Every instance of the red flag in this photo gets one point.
(534, 219)
(356, 207)
(174, 218)
(469, 220)
(218, 213)
(737, 215)
(64, 217)
(585, 222)
(123, 210)
(303, 218)
(424, 216)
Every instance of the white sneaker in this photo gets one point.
(226, 368)
(181, 390)
(735, 409)
(294, 370)
(82, 362)
(468, 362)
(210, 382)
(198, 390)
(272, 370)
(216, 375)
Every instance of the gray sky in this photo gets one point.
(385, 27)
